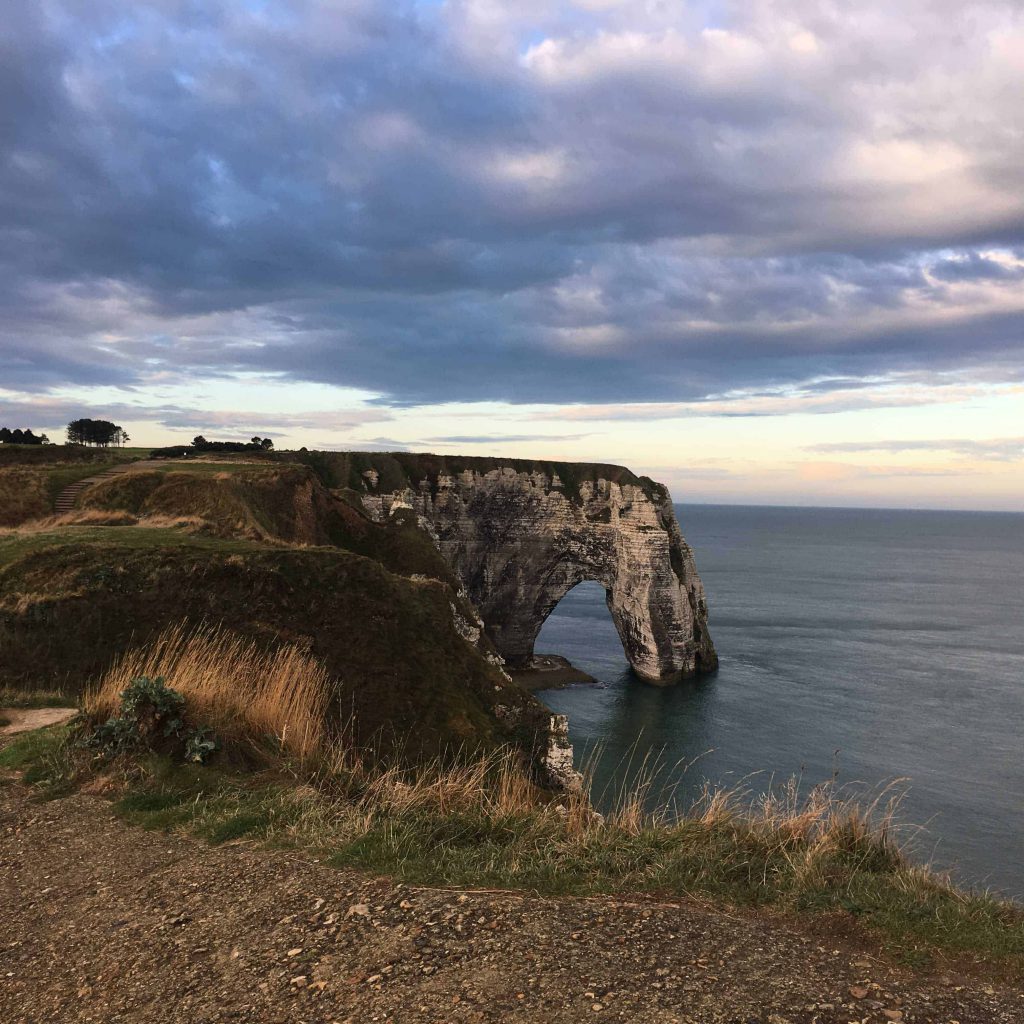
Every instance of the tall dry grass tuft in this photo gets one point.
(246, 695)
(496, 785)
(812, 829)
(79, 517)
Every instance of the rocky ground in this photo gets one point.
(551, 672)
(102, 922)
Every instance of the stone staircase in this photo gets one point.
(68, 498)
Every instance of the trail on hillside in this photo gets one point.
(103, 922)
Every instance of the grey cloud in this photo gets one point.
(433, 204)
(974, 267)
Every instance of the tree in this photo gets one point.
(256, 442)
(266, 444)
(199, 441)
(101, 433)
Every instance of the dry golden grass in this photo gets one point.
(107, 517)
(496, 785)
(81, 517)
(244, 694)
(23, 494)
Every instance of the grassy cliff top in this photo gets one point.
(398, 470)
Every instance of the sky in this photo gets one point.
(764, 251)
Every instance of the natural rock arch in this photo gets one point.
(521, 535)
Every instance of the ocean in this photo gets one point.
(873, 645)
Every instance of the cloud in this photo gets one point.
(52, 413)
(589, 203)
(503, 438)
(819, 397)
(1000, 449)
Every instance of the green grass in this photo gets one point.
(44, 757)
(210, 468)
(15, 545)
(12, 698)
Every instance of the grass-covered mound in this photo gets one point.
(269, 502)
(73, 601)
(31, 476)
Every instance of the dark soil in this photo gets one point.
(102, 922)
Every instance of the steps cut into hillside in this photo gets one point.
(67, 500)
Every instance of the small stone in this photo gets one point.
(597, 1007)
(858, 991)
(358, 910)
(300, 981)
(896, 1015)
(373, 979)
(295, 952)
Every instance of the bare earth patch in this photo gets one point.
(103, 922)
(26, 719)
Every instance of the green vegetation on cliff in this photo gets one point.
(265, 551)
(31, 477)
(72, 600)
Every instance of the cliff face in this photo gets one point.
(521, 535)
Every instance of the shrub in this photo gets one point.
(152, 717)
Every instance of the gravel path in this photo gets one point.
(102, 922)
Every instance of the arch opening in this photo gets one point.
(580, 628)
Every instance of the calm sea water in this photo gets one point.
(879, 644)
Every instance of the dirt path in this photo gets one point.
(26, 719)
(102, 922)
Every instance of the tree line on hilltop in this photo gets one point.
(19, 436)
(103, 434)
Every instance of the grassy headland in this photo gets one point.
(326, 680)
